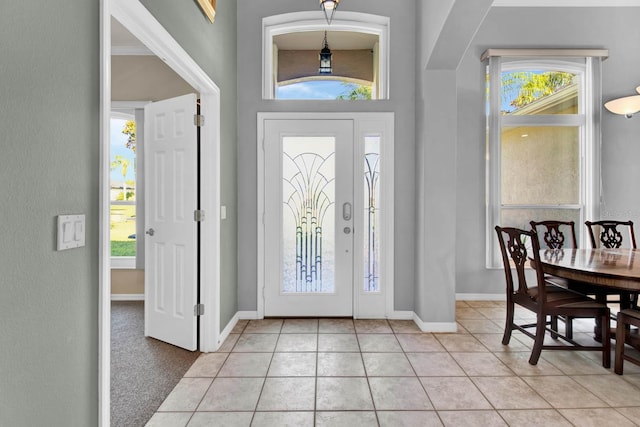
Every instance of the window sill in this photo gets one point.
(123, 262)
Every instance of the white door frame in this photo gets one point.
(139, 21)
(364, 124)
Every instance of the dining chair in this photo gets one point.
(543, 298)
(624, 320)
(555, 236)
(610, 235)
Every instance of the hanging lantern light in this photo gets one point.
(329, 8)
(325, 58)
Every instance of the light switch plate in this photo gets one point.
(71, 231)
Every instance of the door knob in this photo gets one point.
(150, 232)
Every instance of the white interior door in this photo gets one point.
(171, 239)
(308, 218)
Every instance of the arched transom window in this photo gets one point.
(359, 56)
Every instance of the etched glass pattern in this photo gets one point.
(308, 214)
(371, 213)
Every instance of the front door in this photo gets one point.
(171, 238)
(308, 218)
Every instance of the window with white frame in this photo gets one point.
(122, 190)
(359, 43)
(543, 120)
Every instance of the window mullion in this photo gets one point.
(545, 120)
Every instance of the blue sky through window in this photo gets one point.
(320, 89)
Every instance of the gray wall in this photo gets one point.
(402, 101)
(445, 30)
(49, 116)
(612, 28)
(49, 109)
(213, 47)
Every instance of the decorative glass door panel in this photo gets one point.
(371, 218)
(308, 217)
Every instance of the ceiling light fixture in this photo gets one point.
(325, 58)
(626, 106)
(329, 8)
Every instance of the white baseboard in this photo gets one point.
(435, 326)
(127, 297)
(481, 297)
(402, 315)
(396, 315)
(247, 315)
(224, 334)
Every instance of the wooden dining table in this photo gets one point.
(615, 270)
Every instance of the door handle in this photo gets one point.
(346, 211)
(150, 232)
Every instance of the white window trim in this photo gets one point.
(378, 304)
(587, 119)
(131, 110)
(315, 21)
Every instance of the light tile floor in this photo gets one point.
(343, 372)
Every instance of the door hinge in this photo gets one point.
(198, 120)
(198, 310)
(198, 215)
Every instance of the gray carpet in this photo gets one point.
(143, 370)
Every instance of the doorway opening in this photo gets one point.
(140, 23)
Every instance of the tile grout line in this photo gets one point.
(366, 373)
(396, 334)
(416, 373)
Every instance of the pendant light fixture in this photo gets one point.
(325, 58)
(329, 8)
(626, 106)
